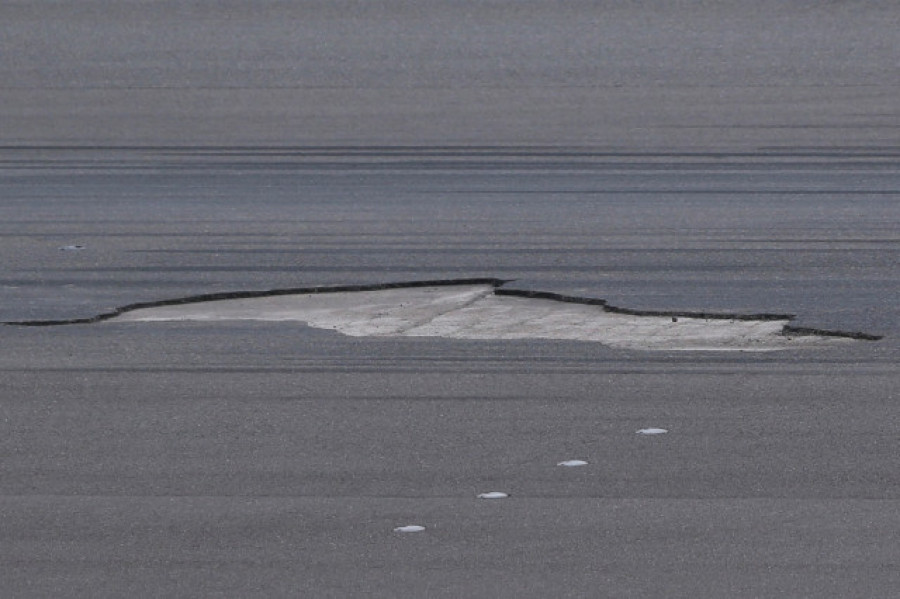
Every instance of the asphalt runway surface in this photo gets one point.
(733, 158)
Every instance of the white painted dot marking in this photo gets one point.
(410, 528)
(652, 431)
(572, 463)
(493, 495)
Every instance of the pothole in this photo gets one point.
(482, 309)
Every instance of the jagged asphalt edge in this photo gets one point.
(497, 284)
(786, 330)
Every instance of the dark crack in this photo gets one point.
(229, 295)
(497, 284)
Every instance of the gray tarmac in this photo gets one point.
(699, 157)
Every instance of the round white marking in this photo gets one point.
(493, 495)
(571, 463)
(652, 431)
(410, 528)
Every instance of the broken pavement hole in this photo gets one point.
(481, 309)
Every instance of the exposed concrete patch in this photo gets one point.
(481, 309)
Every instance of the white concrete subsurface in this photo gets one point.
(475, 312)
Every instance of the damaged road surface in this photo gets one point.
(170, 426)
(709, 169)
(166, 429)
(484, 311)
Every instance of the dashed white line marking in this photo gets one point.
(493, 495)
